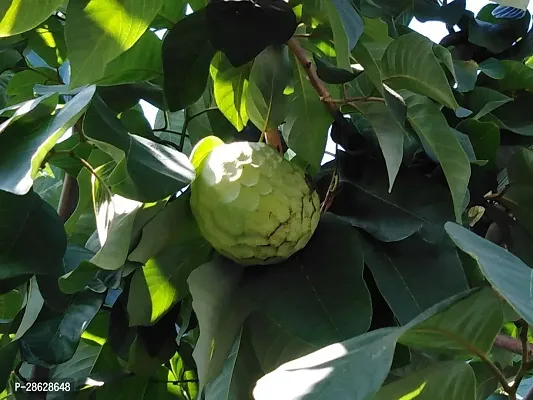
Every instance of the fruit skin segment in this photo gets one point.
(253, 205)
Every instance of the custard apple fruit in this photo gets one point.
(250, 203)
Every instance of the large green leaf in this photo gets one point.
(401, 272)
(146, 171)
(509, 276)
(350, 370)
(162, 281)
(265, 99)
(48, 41)
(520, 167)
(32, 238)
(272, 344)
(306, 126)
(10, 304)
(8, 356)
(518, 199)
(230, 86)
(442, 381)
(390, 134)
(187, 55)
(53, 338)
(34, 304)
(115, 219)
(241, 370)
(139, 63)
(18, 16)
(484, 136)
(425, 76)
(468, 327)
(483, 100)
(97, 31)
(301, 294)
(221, 309)
(366, 202)
(28, 149)
(347, 27)
(433, 129)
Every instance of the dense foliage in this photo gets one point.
(417, 280)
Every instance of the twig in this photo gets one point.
(202, 112)
(298, 51)
(353, 99)
(302, 35)
(184, 130)
(525, 355)
(92, 171)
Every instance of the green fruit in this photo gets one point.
(251, 204)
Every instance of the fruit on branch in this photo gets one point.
(250, 203)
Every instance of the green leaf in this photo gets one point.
(77, 279)
(20, 87)
(31, 110)
(98, 31)
(484, 136)
(441, 381)
(221, 309)
(486, 382)
(26, 155)
(431, 126)
(146, 171)
(366, 203)
(518, 199)
(32, 239)
(508, 275)
(493, 68)
(48, 41)
(162, 281)
(230, 86)
(8, 355)
(265, 100)
(34, 305)
(483, 101)
(272, 344)
(520, 167)
(390, 134)
(187, 55)
(10, 304)
(240, 372)
(115, 219)
(243, 29)
(466, 72)
(53, 338)
(425, 76)
(355, 369)
(306, 126)
(329, 73)
(347, 27)
(34, 12)
(468, 327)
(301, 295)
(517, 76)
(401, 269)
(141, 62)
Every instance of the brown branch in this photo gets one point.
(299, 52)
(512, 345)
(353, 99)
(68, 198)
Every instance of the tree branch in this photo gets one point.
(512, 345)
(298, 51)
